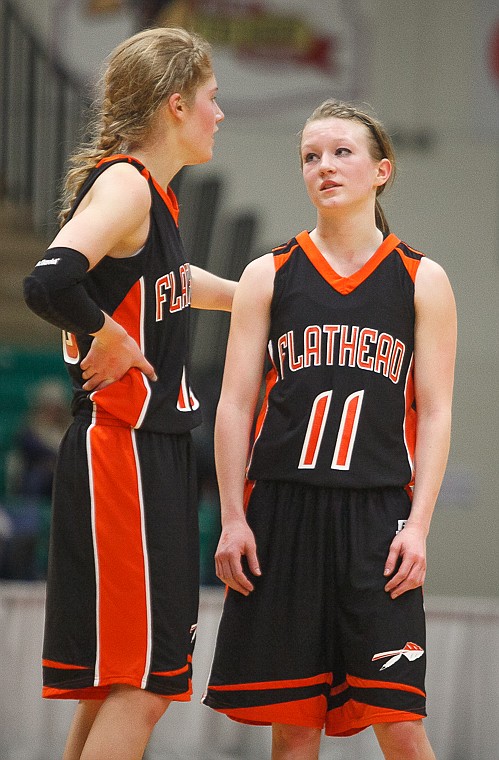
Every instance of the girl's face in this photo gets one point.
(203, 117)
(338, 169)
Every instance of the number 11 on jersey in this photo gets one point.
(346, 434)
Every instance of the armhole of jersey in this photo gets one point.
(93, 175)
(168, 196)
(169, 199)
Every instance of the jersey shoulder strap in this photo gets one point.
(282, 252)
(167, 196)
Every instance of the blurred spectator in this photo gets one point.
(29, 474)
(30, 464)
(6, 531)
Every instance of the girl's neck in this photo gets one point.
(348, 246)
(160, 151)
(160, 164)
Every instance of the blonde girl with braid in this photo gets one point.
(122, 588)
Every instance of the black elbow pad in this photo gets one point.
(55, 292)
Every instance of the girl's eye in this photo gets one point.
(343, 151)
(309, 157)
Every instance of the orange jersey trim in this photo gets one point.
(281, 258)
(127, 399)
(248, 490)
(270, 381)
(411, 265)
(410, 420)
(129, 312)
(345, 285)
(124, 400)
(169, 198)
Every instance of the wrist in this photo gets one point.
(235, 516)
(422, 526)
(110, 331)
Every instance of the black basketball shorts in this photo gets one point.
(319, 642)
(123, 579)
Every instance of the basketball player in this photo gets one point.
(122, 588)
(323, 548)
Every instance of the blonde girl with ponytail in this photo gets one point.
(122, 587)
(141, 74)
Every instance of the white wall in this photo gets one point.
(79, 40)
(426, 73)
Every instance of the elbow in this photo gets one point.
(39, 299)
(35, 295)
(435, 425)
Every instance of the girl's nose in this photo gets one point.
(327, 164)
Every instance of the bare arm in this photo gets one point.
(241, 384)
(210, 291)
(113, 220)
(434, 358)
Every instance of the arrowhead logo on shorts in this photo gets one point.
(411, 651)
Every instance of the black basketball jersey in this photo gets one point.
(149, 294)
(339, 407)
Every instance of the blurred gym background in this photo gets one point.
(431, 73)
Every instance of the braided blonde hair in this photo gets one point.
(141, 73)
(380, 143)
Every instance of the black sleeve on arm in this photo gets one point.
(54, 290)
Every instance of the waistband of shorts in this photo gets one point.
(100, 417)
(313, 487)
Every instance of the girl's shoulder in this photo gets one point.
(257, 279)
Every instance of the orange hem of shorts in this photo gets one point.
(290, 713)
(371, 716)
(101, 692)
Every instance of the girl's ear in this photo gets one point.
(384, 171)
(176, 105)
